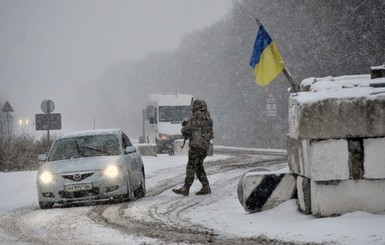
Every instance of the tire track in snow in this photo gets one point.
(161, 216)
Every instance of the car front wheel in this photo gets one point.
(130, 193)
(141, 191)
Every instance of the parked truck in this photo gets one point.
(162, 120)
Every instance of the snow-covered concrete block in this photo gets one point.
(260, 190)
(178, 150)
(294, 154)
(146, 149)
(332, 198)
(356, 158)
(319, 159)
(374, 160)
(328, 117)
(328, 160)
(303, 194)
(298, 153)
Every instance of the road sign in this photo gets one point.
(47, 106)
(48, 121)
(271, 106)
(7, 107)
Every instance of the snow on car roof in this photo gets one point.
(114, 131)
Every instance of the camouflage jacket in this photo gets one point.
(199, 130)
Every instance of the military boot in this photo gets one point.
(181, 191)
(205, 190)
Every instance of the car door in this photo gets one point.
(136, 162)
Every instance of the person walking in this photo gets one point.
(199, 131)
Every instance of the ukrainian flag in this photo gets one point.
(266, 59)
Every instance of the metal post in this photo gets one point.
(8, 123)
(294, 86)
(49, 125)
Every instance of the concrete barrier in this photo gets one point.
(260, 190)
(360, 118)
(303, 194)
(319, 159)
(331, 198)
(146, 149)
(336, 145)
(178, 150)
(374, 152)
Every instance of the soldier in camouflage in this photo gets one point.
(199, 131)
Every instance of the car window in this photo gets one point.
(85, 146)
(126, 142)
(174, 114)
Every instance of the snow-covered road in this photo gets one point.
(165, 218)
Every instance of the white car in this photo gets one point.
(90, 165)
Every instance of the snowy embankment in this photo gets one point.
(225, 216)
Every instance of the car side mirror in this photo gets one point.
(42, 157)
(130, 149)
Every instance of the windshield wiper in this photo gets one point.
(95, 149)
(80, 151)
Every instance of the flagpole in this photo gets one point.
(294, 86)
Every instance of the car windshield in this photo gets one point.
(174, 114)
(85, 146)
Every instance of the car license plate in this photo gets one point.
(78, 187)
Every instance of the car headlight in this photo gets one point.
(111, 171)
(46, 177)
(164, 137)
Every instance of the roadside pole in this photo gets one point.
(294, 86)
(7, 108)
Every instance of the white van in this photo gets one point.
(162, 120)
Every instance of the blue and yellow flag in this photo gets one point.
(266, 59)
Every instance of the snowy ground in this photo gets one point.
(221, 212)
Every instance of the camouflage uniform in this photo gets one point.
(199, 131)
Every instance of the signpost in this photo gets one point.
(48, 121)
(271, 106)
(7, 108)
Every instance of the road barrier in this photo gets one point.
(178, 150)
(261, 189)
(146, 149)
(336, 145)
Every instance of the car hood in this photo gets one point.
(81, 164)
(170, 128)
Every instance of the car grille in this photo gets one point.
(77, 177)
(77, 194)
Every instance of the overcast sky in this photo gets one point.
(48, 48)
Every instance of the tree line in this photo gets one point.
(316, 39)
(19, 152)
